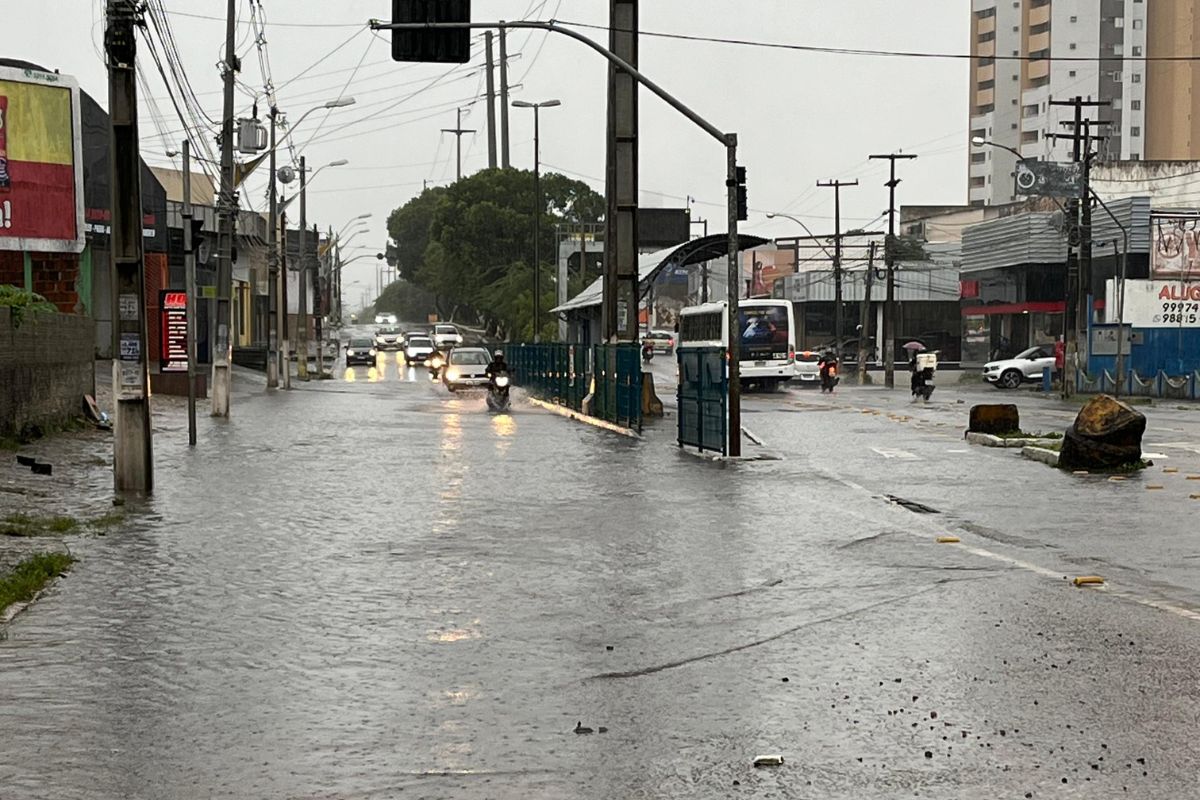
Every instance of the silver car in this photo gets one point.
(1024, 367)
(467, 367)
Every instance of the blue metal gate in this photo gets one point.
(703, 396)
(558, 373)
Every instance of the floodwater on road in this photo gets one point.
(371, 588)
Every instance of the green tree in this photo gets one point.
(470, 245)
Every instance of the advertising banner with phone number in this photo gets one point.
(1158, 304)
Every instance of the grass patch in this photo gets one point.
(109, 520)
(58, 525)
(31, 576)
(1027, 435)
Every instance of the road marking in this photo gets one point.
(903, 455)
(957, 450)
(1191, 446)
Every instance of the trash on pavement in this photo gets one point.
(773, 760)
(1089, 580)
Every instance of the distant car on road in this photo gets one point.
(661, 341)
(467, 367)
(808, 369)
(360, 351)
(389, 339)
(1024, 367)
(445, 335)
(385, 319)
(417, 348)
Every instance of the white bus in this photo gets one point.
(768, 337)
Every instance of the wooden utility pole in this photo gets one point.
(889, 252)
(838, 326)
(133, 452)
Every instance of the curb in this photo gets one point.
(988, 440)
(1035, 453)
(595, 422)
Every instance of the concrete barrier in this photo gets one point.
(47, 365)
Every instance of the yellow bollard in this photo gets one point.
(947, 540)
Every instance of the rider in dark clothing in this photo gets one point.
(498, 364)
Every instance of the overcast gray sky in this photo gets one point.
(800, 116)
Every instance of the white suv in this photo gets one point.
(446, 336)
(1024, 367)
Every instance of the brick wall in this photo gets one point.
(46, 366)
(55, 276)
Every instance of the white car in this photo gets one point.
(385, 319)
(468, 367)
(417, 348)
(1025, 367)
(808, 367)
(446, 336)
(389, 339)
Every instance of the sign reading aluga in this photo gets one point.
(41, 162)
(1158, 304)
(1049, 179)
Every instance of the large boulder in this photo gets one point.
(994, 418)
(1106, 434)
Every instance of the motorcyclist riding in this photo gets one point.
(829, 370)
(497, 366)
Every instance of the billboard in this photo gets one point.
(1157, 304)
(1175, 249)
(762, 268)
(41, 162)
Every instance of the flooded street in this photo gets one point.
(371, 588)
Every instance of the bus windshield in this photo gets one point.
(764, 326)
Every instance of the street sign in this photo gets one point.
(172, 331)
(433, 45)
(1049, 179)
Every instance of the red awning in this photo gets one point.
(1046, 307)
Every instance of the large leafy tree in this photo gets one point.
(470, 245)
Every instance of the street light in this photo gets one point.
(351, 222)
(537, 208)
(979, 141)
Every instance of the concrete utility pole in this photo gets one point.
(491, 99)
(273, 314)
(620, 302)
(889, 253)
(285, 322)
(458, 132)
(302, 329)
(189, 277)
(227, 208)
(505, 154)
(838, 326)
(319, 285)
(1079, 259)
(864, 315)
(133, 452)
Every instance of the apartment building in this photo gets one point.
(1029, 52)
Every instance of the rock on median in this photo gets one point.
(1107, 433)
(994, 418)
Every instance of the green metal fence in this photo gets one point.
(560, 373)
(703, 396)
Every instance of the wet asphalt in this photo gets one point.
(369, 588)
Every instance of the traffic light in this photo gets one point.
(743, 211)
(433, 45)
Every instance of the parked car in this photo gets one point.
(1024, 367)
(360, 351)
(850, 349)
(445, 335)
(389, 339)
(417, 347)
(808, 369)
(467, 367)
(385, 319)
(661, 341)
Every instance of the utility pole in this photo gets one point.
(1079, 259)
(273, 269)
(302, 329)
(285, 323)
(491, 100)
(864, 315)
(838, 326)
(505, 155)
(458, 132)
(889, 254)
(319, 284)
(227, 208)
(189, 278)
(133, 453)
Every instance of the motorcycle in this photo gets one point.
(829, 375)
(647, 352)
(435, 364)
(924, 366)
(497, 396)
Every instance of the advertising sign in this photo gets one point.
(173, 331)
(41, 163)
(762, 268)
(1175, 250)
(1049, 179)
(1158, 304)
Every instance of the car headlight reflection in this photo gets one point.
(453, 375)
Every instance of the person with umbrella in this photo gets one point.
(922, 373)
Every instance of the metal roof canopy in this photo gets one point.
(697, 251)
